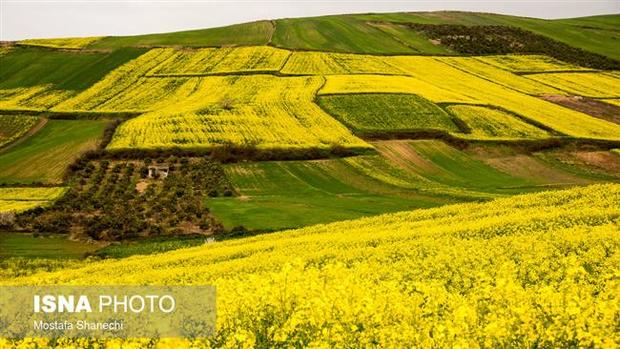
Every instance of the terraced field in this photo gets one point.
(245, 96)
(45, 156)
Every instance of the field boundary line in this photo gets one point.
(33, 130)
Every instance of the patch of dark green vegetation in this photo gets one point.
(497, 39)
(65, 70)
(383, 113)
(229, 152)
(116, 200)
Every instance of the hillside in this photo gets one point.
(428, 179)
(535, 269)
(366, 33)
(380, 113)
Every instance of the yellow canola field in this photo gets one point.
(125, 88)
(141, 86)
(488, 72)
(528, 63)
(599, 85)
(62, 42)
(613, 101)
(347, 84)
(564, 120)
(39, 97)
(222, 60)
(489, 123)
(261, 110)
(322, 63)
(22, 199)
(531, 270)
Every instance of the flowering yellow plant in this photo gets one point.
(532, 270)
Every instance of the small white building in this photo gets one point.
(158, 171)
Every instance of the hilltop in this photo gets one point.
(365, 33)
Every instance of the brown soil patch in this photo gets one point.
(588, 106)
(402, 154)
(141, 186)
(525, 166)
(600, 160)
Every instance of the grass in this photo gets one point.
(412, 39)
(406, 175)
(74, 71)
(597, 34)
(278, 195)
(45, 156)
(335, 33)
(254, 33)
(23, 245)
(387, 113)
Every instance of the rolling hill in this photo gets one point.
(442, 179)
(335, 90)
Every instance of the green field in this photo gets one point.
(597, 34)
(335, 33)
(23, 245)
(45, 156)
(385, 113)
(278, 195)
(255, 33)
(74, 71)
(406, 175)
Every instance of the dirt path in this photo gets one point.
(34, 129)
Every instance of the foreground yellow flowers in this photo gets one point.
(538, 270)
